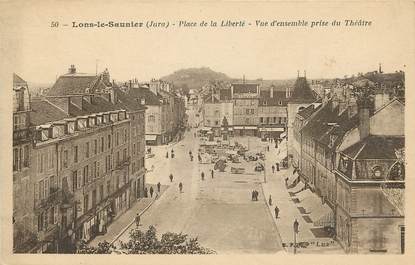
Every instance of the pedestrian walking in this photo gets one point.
(137, 220)
(277, 211)
(171, 177)
(158, 187)
(203, 175)
(145, 192)
(180, 187)
(270, 200)
(253, 195)
(273, 168)
(167, 154)
(278, 166)
(151, 192)
(286, 181)
(212, 173)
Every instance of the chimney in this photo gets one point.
(243, 79)
(364, 117)
(72, 69)
(272, 92)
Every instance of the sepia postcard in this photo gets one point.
(207, 132)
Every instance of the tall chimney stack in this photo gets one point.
(364, 117)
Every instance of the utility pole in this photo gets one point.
(295, 226)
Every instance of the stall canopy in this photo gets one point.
(151, 137)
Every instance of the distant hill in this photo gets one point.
(194, 78)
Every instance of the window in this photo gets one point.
(94, 173)
(16, 159)
(117, 139)
(75, 154)
(41, 189)
(95, 146)
(267, 120)
(65, 158)
(151, 118)
(279, 120)
(87, 150)
(74, 180)
(118, 158)
(216, 122)
(53, 186)
(101, 192)
(85, 176)
(26, 156)
(124, 154)
(261, 119)
(274, 119)
(125, 135)
(134, 146)
(102, 144)
(94, 198)
(377, 172)
(109, 141)
(108, 187)
(86, 200)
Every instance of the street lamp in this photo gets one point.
(295, 226)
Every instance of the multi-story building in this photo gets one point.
(245, 97)
(300, 98)
(86, 164)
(216, 107)
(272, 113)
(350, 154)
(23, 236)
(370, 181)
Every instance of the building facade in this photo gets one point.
(85, 164)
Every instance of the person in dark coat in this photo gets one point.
(277, 211)
(167, 154)
(151, 192)
(273, 169)
(171, 177)
(180, 187)
(158, 187)
(270, 200)
(212, 173)
(278, 166)
(203, 175)
(137, 220)
(145, 192)
(253, 195)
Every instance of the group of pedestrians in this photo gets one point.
(255, 195)
(277, 166)
(171, 154)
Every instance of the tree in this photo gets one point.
(148, 243)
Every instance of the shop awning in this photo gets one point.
(271, 129)
(151, 137)
(238, 127)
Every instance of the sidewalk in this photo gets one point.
(288, 212)
(127, 218)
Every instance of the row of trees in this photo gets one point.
(148, 243)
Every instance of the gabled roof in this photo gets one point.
(302, 91)
(44, 112)
(376, 147)
(225, 94)
(18, 81)
(244, 88)
(306, 112)
(144, 92)
(278, 97)
(72, 84)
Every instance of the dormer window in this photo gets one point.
(99, 119)
(70, 127)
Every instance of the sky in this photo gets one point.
(43, 53)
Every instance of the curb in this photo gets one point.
(273, 219)
(132, 222)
